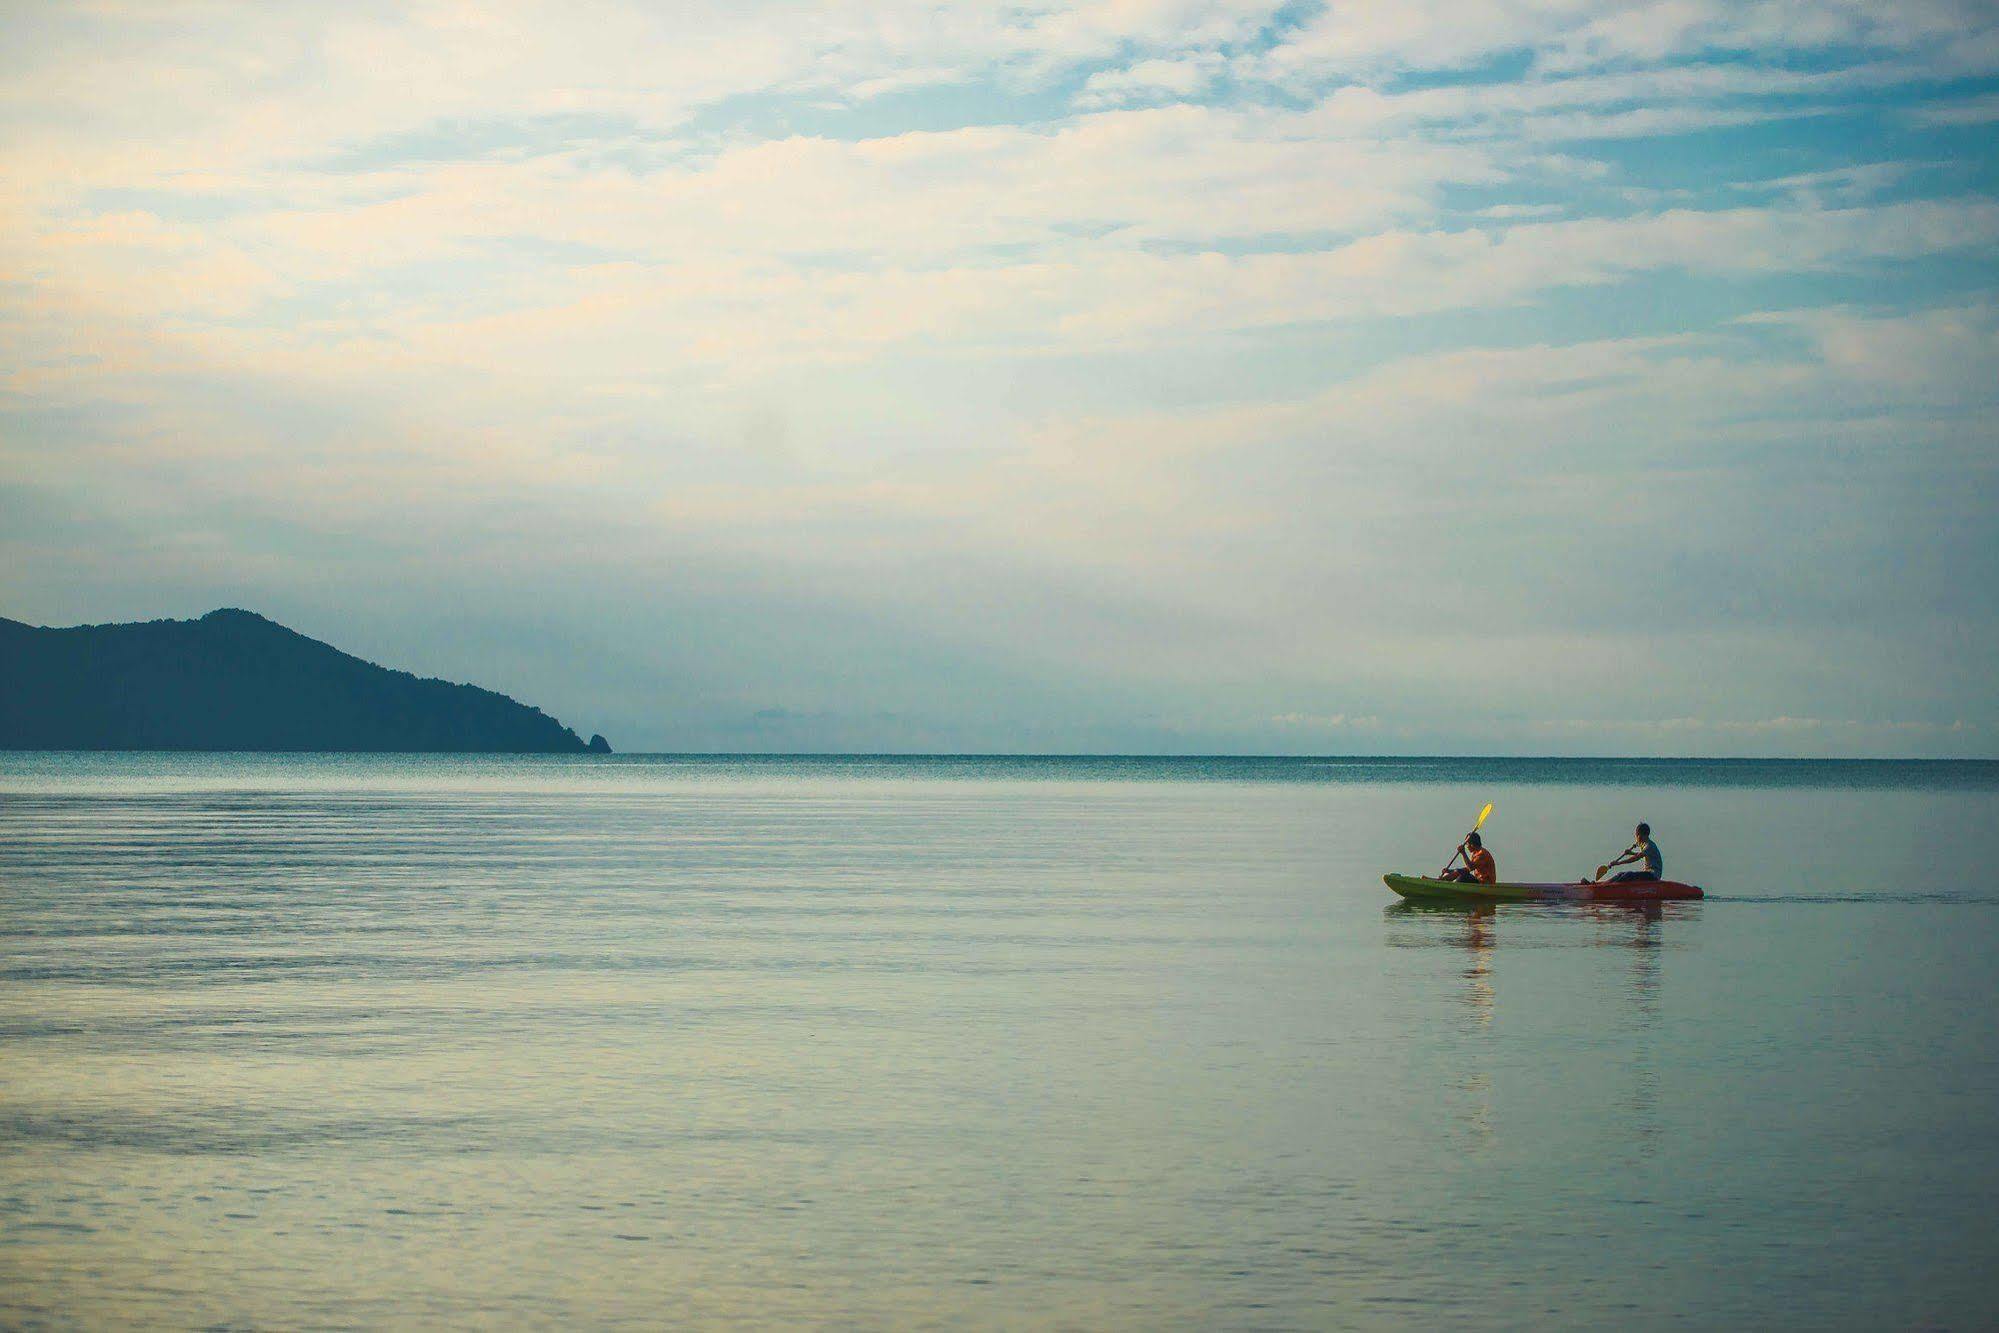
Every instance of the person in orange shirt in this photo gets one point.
(1479, 867)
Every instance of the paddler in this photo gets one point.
(1478, 867)
(1643, 849)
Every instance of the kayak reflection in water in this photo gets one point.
(1479, 867)
(1644, 849)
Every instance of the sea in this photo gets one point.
(312, 1041)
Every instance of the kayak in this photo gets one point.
(1629, 891)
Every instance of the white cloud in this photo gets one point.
(1125, 342)
(1150, 80)
(1969, 111)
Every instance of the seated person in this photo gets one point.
(1644, 850)
(1478, 867)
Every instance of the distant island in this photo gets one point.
(234, 680)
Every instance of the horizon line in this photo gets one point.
(1078, 754)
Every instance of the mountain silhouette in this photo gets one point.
(233, 680)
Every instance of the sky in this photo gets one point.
(1457, 376)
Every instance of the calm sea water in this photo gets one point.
(291, 1041)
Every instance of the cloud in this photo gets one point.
(1780, 726)
(1153, 80)
(1071, 366)
(1970, 111)
(1375, 41)
(1326, 721)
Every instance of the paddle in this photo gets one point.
(1604, 869)
(1461, 847)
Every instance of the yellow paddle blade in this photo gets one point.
(1481, 817)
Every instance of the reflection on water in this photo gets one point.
(1640, 928)
(1637, 931)
(1476, 1084)
(1479, 939)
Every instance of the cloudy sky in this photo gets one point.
(1212, 375)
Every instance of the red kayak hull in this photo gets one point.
(1641, 891)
